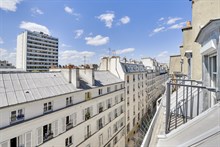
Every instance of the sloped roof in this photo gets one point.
(18, 88)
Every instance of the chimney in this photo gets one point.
(104, 65)
(188, 24)
(70, 74)
(87, 74)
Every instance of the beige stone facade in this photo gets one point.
(202, 12)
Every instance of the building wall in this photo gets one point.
(35, 119)
(36, 51)
(202, 12)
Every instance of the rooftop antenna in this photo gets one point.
(113, 52)
(109, 51)
(84, 61)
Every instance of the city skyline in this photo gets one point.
(85, 31)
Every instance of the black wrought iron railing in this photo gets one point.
(185, 100)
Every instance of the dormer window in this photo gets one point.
(48, 107)
(69, 101)
(17, 115)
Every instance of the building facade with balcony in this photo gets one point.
(189, 112)
(64, 107)
(36, 51)
(143, 86)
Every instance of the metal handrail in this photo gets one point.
(188, 98)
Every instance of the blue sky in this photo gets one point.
(130, 28)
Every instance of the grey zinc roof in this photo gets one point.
(18, 88)
(105, 78)
(130, 68)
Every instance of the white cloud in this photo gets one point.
(74, 56)
(36, 11)
(178, 26)
(157, 30)
(65, 45)
(125, 20)
(8, 56)
(1, 40)
(68, 10)
(108, 18)
(9, 5)
(163, 57)
(97, 40)
(78, 33)
(71, 11)
(124, 51)
(31, 26)
(173, 20)
(162, 18)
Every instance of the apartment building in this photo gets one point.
(5, 65)
(190, 115)
(36, 51)
(143, 87)
(63, 107)
(189, 60)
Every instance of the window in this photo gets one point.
(134, 98)
(116, 113)
(100, 140)
(109, 103)
(68, 141)
(128, 90)
(47, 132)
(48, 107)
(88, 112)
(128, 127)
(116, 100)
(88, 131)
(133, 87)
(17, 116)
(69, 101)
(122, 97)
(121, 86)
(116, 87)
(115, 127)
(100, 107)
(127, 79)
(115, 140)
(133, 122)
(100, 91)
(100, 123)
(88, 96)
(133, 78)
(108, 89)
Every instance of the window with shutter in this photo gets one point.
(55, 127)
(63, 124)
(28, 139)
(39, 136)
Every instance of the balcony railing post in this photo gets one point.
(176, 106)
(167, 107)
(198, 102)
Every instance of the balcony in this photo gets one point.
(17, 119)
(48, 136)
(88, 134)
(87, 115)
(69, 125)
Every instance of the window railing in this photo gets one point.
(87, 115)
(88, 134)
(100, 109)
(69, 125)
(48, 136)
(18, 118)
